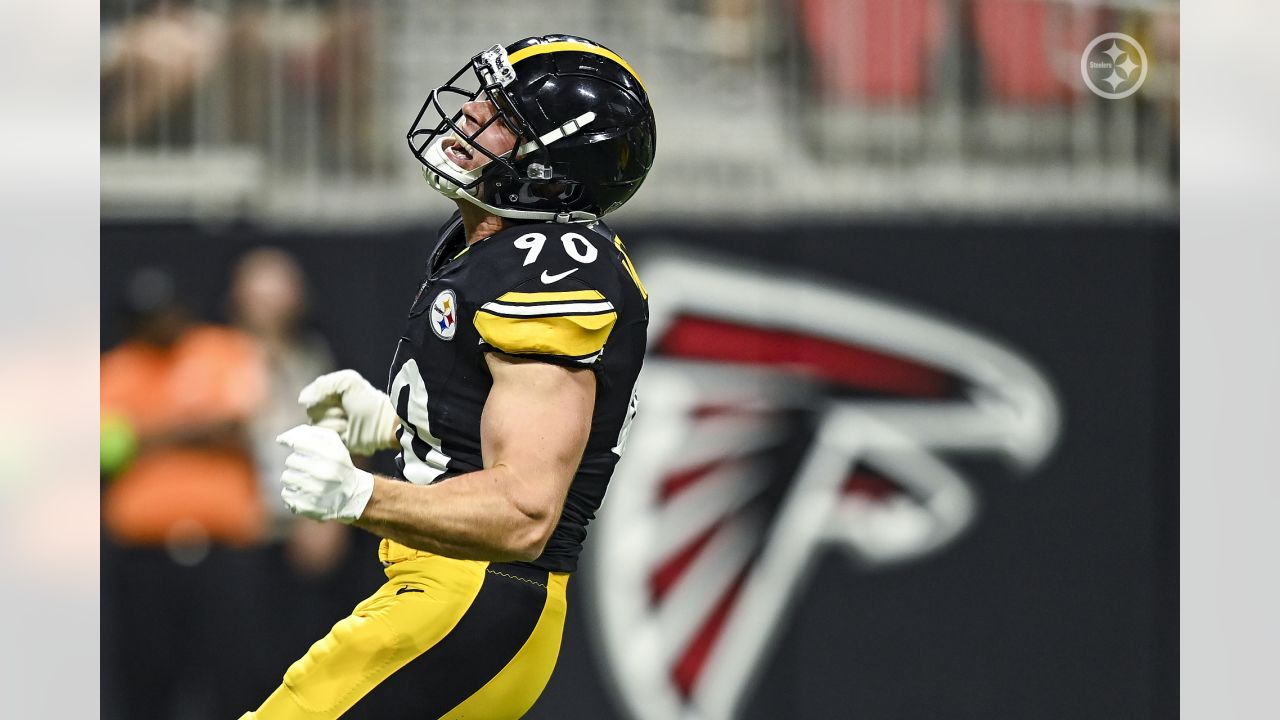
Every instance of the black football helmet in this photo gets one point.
(585, 129)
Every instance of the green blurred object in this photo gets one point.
(118, 443)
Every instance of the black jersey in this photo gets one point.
(563, 294)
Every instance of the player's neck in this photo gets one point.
(479, 224)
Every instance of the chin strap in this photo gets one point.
(449, 189)
(576, 216)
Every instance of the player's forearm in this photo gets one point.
(470, 517)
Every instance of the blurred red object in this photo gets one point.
(872, 50)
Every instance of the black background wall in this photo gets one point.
(1062, 600)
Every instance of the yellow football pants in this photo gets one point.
(465, 639)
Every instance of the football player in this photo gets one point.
(509, 398)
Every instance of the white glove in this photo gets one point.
(319, 480)
(347, 404)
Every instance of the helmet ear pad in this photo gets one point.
(547, 195)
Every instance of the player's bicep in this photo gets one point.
(536, 422)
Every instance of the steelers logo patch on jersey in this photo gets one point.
(444, 315)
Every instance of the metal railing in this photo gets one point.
(295, 111)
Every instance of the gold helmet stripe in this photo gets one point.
(532, 50)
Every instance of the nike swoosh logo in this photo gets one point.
(548, 279)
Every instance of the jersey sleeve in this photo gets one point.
(558, 325)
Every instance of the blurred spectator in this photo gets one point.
(268, 300)
(180, 502)
(153, 64)
(305, 563)
(185, 392)
(287, 79)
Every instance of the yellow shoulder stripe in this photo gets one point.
(562, 296)
(631, 269)
(532, 50)
(572, 336)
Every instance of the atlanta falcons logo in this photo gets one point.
(778, 418)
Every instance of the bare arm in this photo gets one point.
(533, 432)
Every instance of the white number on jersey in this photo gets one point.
(532, 242)
(417, 424)
(621, 447)
(575, 246)
(586, 255)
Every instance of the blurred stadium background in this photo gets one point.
(941, 229)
